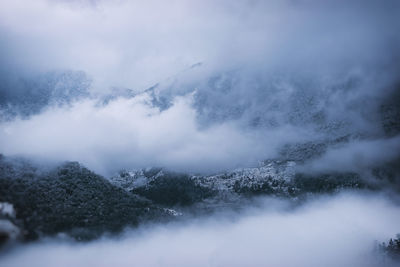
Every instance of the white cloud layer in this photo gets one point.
(128, 133)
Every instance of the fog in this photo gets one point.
(357, 156)
(325, 231)
(129, 133)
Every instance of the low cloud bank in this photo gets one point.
(129, 133)
(327, 231)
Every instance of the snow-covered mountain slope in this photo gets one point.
(272, 177)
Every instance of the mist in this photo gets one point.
(328, 231)
(357, 156)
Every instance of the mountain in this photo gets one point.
(199, 193)
(71, 199)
